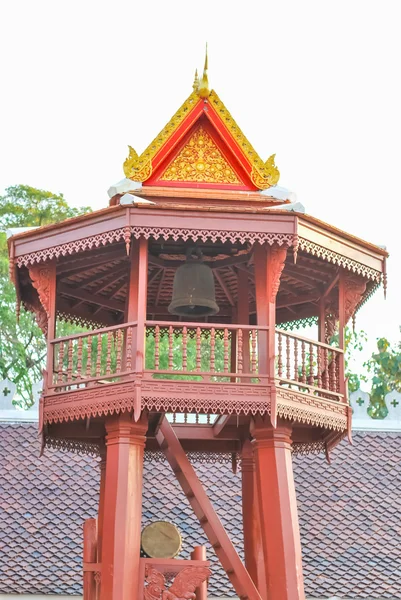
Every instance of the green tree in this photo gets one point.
(22, 345)
(384, 367)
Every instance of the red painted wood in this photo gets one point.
(102, 490)
(205, 512)
(341, 330)
(125, 443)
(232, 159)
(51, 323)
(89, 556)
(278, 510)
(253, 545)
(199, 553)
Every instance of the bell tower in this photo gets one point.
(190, 294)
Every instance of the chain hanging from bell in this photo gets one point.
(193, 288)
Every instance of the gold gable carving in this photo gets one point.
(200, 161)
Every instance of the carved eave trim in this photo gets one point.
(339, 259)
(166, 396)
(312, 410)
(110, 237)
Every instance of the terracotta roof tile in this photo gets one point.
(349, 515)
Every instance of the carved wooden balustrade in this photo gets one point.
(97, 357)
(310, 366)
(214, 352)
(192, 351)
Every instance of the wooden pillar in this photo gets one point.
(322, 320)
(269, 263)
(89, 555)
(341, 330)
(51, 321)
(125, 442)
(243, 317)
(100, 518)
(199, 553)
(278, 510)
(136, 312)
(253, 546)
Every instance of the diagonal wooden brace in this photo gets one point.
(203, 509)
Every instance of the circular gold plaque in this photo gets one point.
(161, 539)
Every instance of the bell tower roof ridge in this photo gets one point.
(202, 147)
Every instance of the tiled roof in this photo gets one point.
(349, 513)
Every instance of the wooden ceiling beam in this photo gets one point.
(160, 286)
(154, 276)
(97, 276)
(84, 312)
(331, 285)
(117, 290)
(309, 281)
(293, 301)
(90, 298)
(224, 287)
(80, 266)
(118, 274)
(220, 424)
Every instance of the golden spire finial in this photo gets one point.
(203, 89)
(196, 81)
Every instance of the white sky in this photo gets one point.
(316, 81)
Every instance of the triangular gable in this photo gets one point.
(201, 160)
(231, 145)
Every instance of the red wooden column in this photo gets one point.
(136, 311)
(278, 510)
(243, 317)
(253, 546)
(341, 330)
(102, 489)
(125, 442)
(269, 263)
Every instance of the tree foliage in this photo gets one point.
(22, 345)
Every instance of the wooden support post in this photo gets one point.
(125, 442)
(269, 263)
(262, 313)
(210, 523)
(253, 546)
(199, 553)
(89, 555)
(243, 317)
(341, 331)
(136, 311)
(100, 518)
(51, 323)
(322, 320)
(278, 510)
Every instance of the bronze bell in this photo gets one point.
(193, 290)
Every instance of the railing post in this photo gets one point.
(199, 553)
(89, 555)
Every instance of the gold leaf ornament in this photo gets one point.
(201, 161)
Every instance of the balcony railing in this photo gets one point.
(225, 353)
(308, 365)
(217, 353)
(93, 358)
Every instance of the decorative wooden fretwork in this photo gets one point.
(200, 161)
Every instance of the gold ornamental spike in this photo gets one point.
(203, 89)
(130, 162)
(196, 81)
